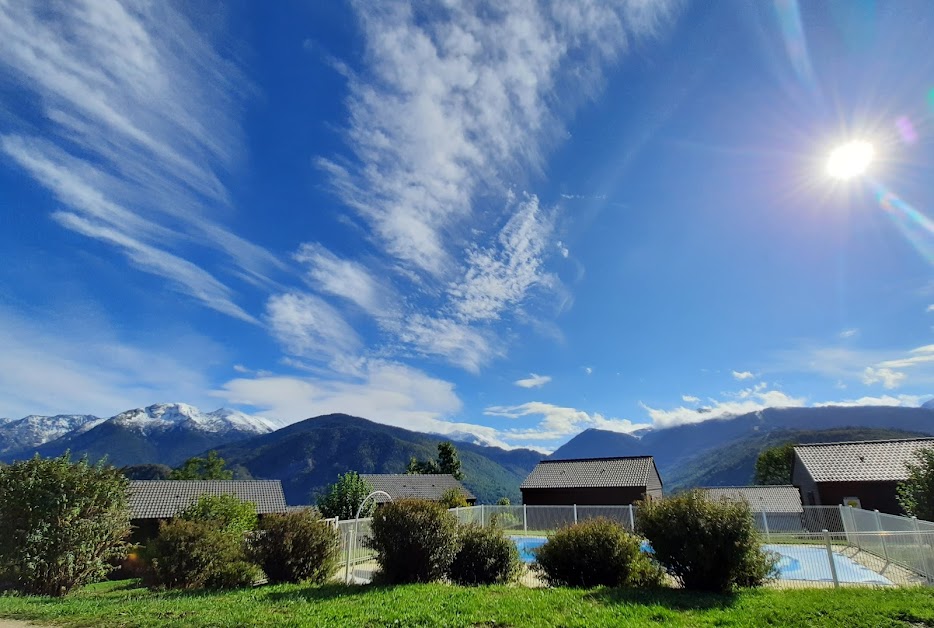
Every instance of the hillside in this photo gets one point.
(734, 463)
(695, 450)
(160, 433)
(309, 455)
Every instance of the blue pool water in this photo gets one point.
(796, 562)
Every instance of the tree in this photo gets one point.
(453, 498)
(916, 494)
(773, 466)
(210, 468)
(63, 523)
(147, 472)
(503, 501)
(343, 498)
(447, 462)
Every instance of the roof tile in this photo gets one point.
(778, 498)
(163, 499)
(421, 486)
(861, 461)
(590, 473)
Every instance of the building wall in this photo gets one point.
(879, 496)
(810, 495)
(608, 496)
(653, 483)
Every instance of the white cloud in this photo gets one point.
(849, 333)
(910, 401)
(741, 402)
(68, 364)
(557, 422)
(930, 308)
(588, 370)
(886, 376)
(690, 399)
(741, 375)
(139, 118)
(500, 277)
(347, 279)
(307, 326)
(533, 381)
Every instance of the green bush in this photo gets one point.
(191, 555)
(706, 544)
(484, 556)
(62, 524)
(238, 574)
(415, 541)
(453, 498)
(596, 552)
(344, 498)
(227, 512)
(296, 547)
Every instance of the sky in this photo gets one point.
(509, 221)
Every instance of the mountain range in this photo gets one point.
(722, 452)
(310, 454)
(161, 433)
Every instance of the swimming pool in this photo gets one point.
(796, 562)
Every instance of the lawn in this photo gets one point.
(124, 604)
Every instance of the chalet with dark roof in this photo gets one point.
(152, 501)
(420, 486)
(592, 481)
(864, 474)
(777, 508)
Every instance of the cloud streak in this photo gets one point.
(138, 127)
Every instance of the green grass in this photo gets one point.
(124, 604)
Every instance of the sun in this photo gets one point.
(850, 160)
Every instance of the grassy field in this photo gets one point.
(124, 604)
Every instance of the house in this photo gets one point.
(152, 501)
(864, 474)
(422, 486)
(592, 481)
(777, 507)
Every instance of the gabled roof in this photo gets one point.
(591, 473)
(777, 498)
(421, 486)
(860, 461)
(163, 499)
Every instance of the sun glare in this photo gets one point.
(850, 160)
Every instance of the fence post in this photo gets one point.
(525, 518)
(575, 513)
(885, 551)
(350, 543)
(482, 520)
(928, 575)
(632, 520)
(765, 525)
(833, 566)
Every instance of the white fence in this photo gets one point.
(817, 546)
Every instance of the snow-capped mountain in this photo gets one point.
(35, 430)
(165, 416)
(165, 433)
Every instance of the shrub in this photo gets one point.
(62, 524)
(916, 493)
(238, 574)
(227, 512)
(453, 498)
(296, 547)
(485, 556)
(596, 552)
(191, 555)
(415, 541)
(706, 544)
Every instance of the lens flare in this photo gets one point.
(917, 228)
(850, 160)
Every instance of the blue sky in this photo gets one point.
(459, 218)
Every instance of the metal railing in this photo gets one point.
(816, 546)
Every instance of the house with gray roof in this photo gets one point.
(776, 507)
(152, 501)
(864, 474)
(592, 481)
(420, 486)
